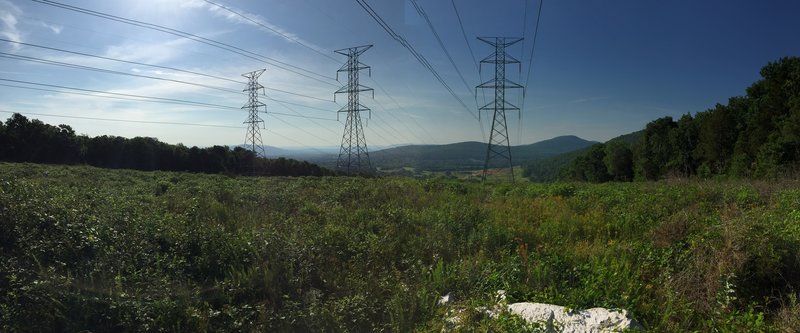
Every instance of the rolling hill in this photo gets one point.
(469, 155)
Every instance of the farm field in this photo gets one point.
(84, 248)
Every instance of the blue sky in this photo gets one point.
(600, 68)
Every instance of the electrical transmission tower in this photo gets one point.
(499, 146)
(254, 122)
(353, 155)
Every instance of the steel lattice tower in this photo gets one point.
(254, 122)
(353, 155)
(499, 143)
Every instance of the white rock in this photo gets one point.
(559, 318)
(445, 299)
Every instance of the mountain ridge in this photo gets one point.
(466, 155)
(470, 155)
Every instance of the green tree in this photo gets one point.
(684, 138)
(618, 160)
(774, 103)
(105, 151)
(742, 161)
(589, 166)
(34, 141)
(655, 150)
(717, 137)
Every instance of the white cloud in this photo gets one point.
(56, 29)
(153, 53)
(8, 17)
(249, 19)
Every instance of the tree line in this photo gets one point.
(25, 140)
(752, 136)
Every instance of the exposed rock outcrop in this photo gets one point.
(561, 319)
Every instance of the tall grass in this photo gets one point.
(100, 250)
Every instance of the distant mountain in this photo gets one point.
(547, 169)
(447, 157)
(557, 145)
(469, 155)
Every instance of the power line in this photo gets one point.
(524, 28)
(441, 44)
(401, 108)
(382, 89)
(295, 127)
(272, 29)
(158, 66)
(464, 32)
(378, 134)
(301, 116)
(76, 93)
(420, 58)
(413, 133)
(533, 46)
(390, 113)
(122, 120)
(449, 57)
(190, 36)
(298, 104)
(122, 61)
(524, 34)
(141, 98)
(474, 59)
(298, 142)
(398, 138)
(137, 99)
(299, 95)
(399, 121)
(109, 71)
(530, 63)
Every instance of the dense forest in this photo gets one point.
(33, 141)
(753, 136)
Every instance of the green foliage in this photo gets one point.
(118, 250)
(591, 166)
(655, 151)
(757, 135)
(34, 141)
(548, 169)
(618, 160)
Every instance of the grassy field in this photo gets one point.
(494, 175)
(113, 250)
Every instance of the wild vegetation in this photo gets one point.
(25, 140)
(83, 248)
(753, 136)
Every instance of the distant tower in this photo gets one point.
(499, 146)
(254, 122)
(353, 155)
